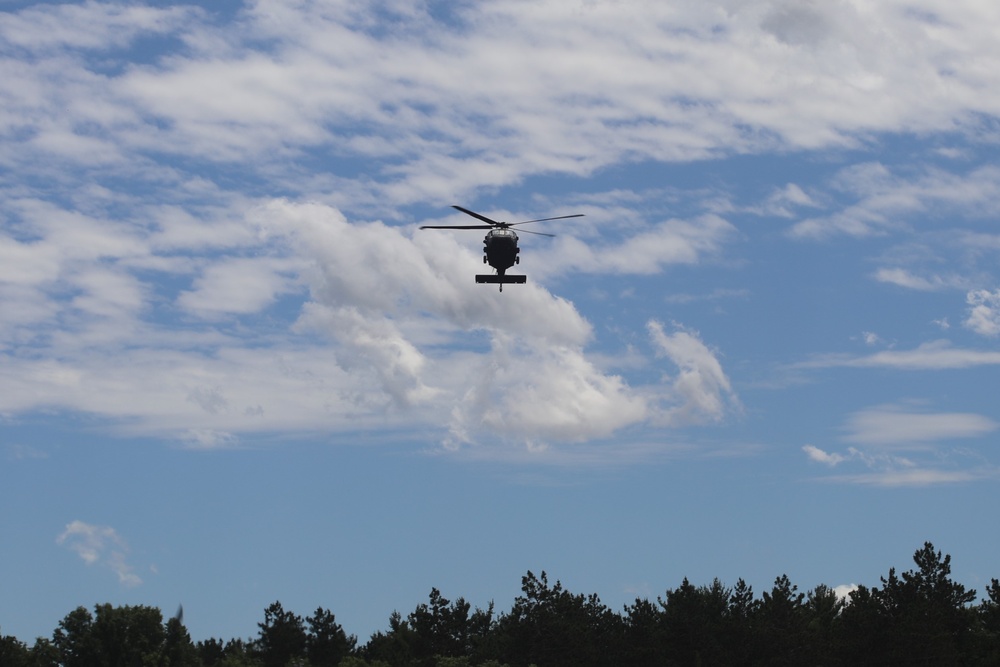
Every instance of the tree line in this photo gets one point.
(919, 617)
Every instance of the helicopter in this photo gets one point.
(500, 245)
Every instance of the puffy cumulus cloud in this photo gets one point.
(552, 404)
(374, 344)
(99, 545)
(375, 268)
(984, 312)
(393, 300)
(295, 319)
(701, 390)
(543, 393)
(373, 288)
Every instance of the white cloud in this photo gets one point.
(99, 545)
(870, 338)
(781, 203)
(238, 286)
(984, 312)
(895, 427)
(88, 25)
(377, 270)
(901, 447)
(940, 465)
(375, 344)
(551, 88)
(936, 355)
(392, 307)
(908, 477)
(907, 279)
(646, 252)
(547, 393)
(843, 591)
(701, 387)
(818, 455)
(542, 394)
(209, 439)
(887, 201)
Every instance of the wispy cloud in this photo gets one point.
(715, 295)
(99, 545)
(880, 468)
(910, 280)
(907, 477)
(22, 452)
(701, 386)
(820, 456)
(899, 446)
(88, 25)
(935, 355)
(893, 426)
(393, 93)
(887, 201)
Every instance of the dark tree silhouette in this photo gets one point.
(327, 643)
(919, 617)
(282, 637)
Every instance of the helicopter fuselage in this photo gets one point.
(500, 246)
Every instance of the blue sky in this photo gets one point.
(233, 371)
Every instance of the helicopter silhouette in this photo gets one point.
(500, 245)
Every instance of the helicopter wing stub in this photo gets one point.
(477, 216)
(507, 279)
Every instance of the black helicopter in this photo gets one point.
(500, 244)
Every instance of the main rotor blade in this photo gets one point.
(560, 217)
(476, 215)
(528, 231)
(457, 227)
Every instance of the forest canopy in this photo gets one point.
(921, 616)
